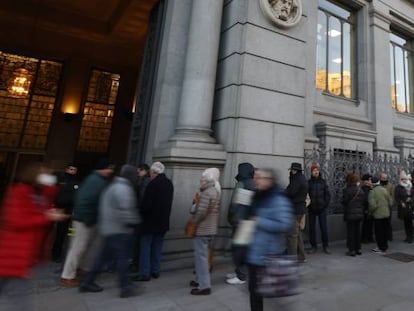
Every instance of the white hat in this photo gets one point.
(403, 175)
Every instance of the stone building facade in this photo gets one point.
(237, 81)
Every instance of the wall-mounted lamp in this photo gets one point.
(68, 117)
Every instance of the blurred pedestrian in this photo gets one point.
(403, 196)
(118, 217)
(27, 214)
(272, 211)
(84, 219)
(367, 234)
(384, 182)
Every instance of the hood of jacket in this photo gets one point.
(245, 171)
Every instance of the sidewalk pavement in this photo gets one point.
(329, 282)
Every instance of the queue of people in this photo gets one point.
(119, 222)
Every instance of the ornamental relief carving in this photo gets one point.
(283, 13)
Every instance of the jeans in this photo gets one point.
(323, 225)
(116, 247)
(201, 246)
(150, 253)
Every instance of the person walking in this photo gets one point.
(272, 211)
(118, 217)
(353, 202)
(319, 202)
(239, 211)
(206, 220)
(27, 215)
(402, 195)
(155, 211)
(297, 191)
(380, 202)
(84, 219)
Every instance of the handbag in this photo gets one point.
(190, 228)
(279, 277)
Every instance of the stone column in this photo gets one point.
(196, 107)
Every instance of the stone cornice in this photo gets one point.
(331, 130)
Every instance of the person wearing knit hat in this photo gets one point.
(319, 201)
(206, 220)
(155, 211)
(402, 195)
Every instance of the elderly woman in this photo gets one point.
(273, 213)
(402, 195)
(206, 219)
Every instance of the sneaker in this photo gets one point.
(230, 275)
(312, 250)
(326, 250)
(235, 281)
(90, 288)
(376, 250)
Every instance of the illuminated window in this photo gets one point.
(400, 52)
(98, 111)
(335, 50)
(28, 92)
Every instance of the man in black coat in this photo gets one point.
(155, 211)
(319, 201)
(297, 191)
(68, 185)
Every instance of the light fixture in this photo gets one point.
(20, 83)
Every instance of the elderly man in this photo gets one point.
(155, 211)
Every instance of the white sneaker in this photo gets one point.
(376, 250)
(235, 281)
(230, 275)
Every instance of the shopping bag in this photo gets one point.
(279, 277)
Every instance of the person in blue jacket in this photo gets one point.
(273, 213)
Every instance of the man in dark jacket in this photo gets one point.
(367, 234)
(155, 211)
(85, 217)
(297, 191)
(320, 197)
(68, 185)
(238, 210)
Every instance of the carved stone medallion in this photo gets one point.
(283, 13)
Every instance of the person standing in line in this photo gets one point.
(118, 217)
(272, 211)
(403, 193)
(236, 212)
(379, 204)
(367, 234)
(353, 202)
(206, 220)
(65, 198)
(143, 172)
(155, 211)
(84, 219)
(384, 182)
(297, 191)
(27, 213)
(319, 202)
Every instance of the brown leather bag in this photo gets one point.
(190, 228)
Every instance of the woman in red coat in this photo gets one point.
(27, 212)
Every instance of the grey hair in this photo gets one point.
(157, 167)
